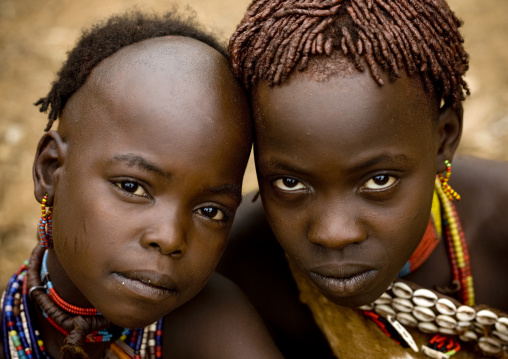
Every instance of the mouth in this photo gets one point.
(345, 281)
(147, 284)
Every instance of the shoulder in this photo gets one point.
(483, 212)
(483, 208)
(218, 323)
(251, 240)
(255, 261)
(471, 172)
(253, 258)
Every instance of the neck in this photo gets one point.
(77, 326)
(54, 340)
(435, 272)
(66, 288)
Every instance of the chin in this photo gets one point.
(354, 301)
(137, 320)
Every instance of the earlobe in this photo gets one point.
(450, 131)
(49, 158)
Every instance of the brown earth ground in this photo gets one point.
(35, 35)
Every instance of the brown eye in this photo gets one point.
(132, 188)
(288, 184)
(212, 213)
(380, 182)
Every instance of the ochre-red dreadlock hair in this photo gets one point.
(415, 36)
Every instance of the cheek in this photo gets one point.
(205, 256)
(407, 228)
(288, 226)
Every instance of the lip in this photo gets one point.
(343, 281)
(147, 284)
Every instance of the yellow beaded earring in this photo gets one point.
(450, 192)
(45, 224)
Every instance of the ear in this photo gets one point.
(49, 158)
(449, 129)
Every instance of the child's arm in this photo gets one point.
(218, 323)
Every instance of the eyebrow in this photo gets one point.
(135, 160)
(283, 166)
(230, 189)
(384, 158)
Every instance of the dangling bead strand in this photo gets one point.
(457, 249)
(45, 224)
(450, 192)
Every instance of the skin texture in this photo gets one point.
(145, 175)
(317, 163)
(346, 171)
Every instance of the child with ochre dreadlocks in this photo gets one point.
(358, 113)
(139, 185)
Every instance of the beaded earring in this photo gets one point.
(450, 192)
(45, 226)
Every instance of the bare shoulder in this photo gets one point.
(483, 211)
(218, 323)
(483, 208)
(473, 172)
(255, 261)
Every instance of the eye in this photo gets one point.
(132, 187)
(288, 184)
(212, 212)
(380, 182)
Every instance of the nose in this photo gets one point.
(336, 227)
(166, 233)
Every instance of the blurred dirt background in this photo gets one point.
(35, 35)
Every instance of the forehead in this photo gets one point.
(171, 81)
(344, 113)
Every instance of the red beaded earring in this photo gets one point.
(45, 226)
(450, 192)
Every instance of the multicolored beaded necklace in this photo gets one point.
(22, 340)
(443, 223)
(444, 218)
(458, 253)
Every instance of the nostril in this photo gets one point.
(177, 252)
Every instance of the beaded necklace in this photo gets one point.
(443, 223)
(429, 241)
(458, 253)
(97, 336)
(458, 257)
(436, 327)
(50, 290)
(22, 340)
